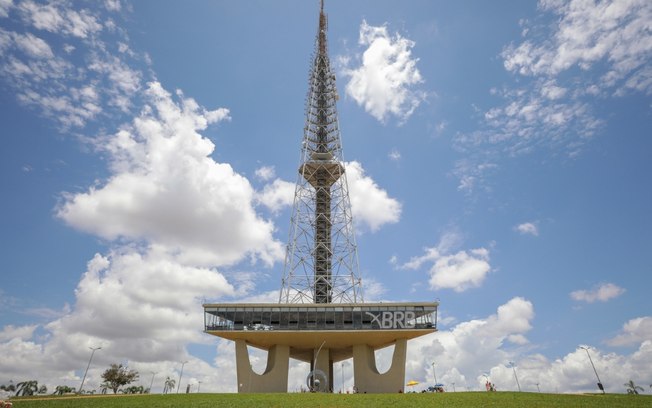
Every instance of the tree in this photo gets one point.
(169, 385)
(632, 388)
(11, 387)
(27, 388)
(64, 389)
(117, 376)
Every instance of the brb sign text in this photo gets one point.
(393, 320)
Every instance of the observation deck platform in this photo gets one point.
(304, 326)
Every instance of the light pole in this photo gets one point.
(434, 372)
(81, 387)
(314, 367)
(198, 386)
(342, 374)
(538, 389)
(600, 386)
(151, 382)
(511, 364)
(181, 374)
(453, 387)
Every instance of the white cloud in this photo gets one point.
(277, 195)
(113, 5)
(123, 304)
(385, 81)
(12, 332)
(601, 293)
(527, 228)
(372, 207)
(5, 6)
(45, 74)
(166, 189)
(60, 19)
(265, 173)
(33, 45)
(591, 49)
(611, 31)
(635, 331)
(458, 271)
(470, 346)
(394, 155)
(370, 204)
(485, 345)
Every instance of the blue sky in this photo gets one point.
(497, 158)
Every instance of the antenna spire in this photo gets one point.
(321, 264)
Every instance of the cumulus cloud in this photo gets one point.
(485, 345)
(527, 228)
(277, 195)
(371, 205)
(124, 305)
(600, 293)
(462, 350)
(385, 82)
(11, 332)
(265, 173)
(166, 189)
(458, 271)
(635, 331)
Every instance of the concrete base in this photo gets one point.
(275, 377)
(369, 380)
(366, 376)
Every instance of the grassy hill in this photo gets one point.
(448, 400)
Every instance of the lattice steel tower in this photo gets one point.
(321, 263)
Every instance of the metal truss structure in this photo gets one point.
(321, 263)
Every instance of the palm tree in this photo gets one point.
(63, 389)
(169, 385)
(27, 388)
(632, 388)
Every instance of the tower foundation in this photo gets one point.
(321, 335)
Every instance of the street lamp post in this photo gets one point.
(538, 389)
(511, 364)
(314, 367)
(198, 386)
(600, 386)
(180, 375)
(342, 375)
(151, 382)
(81, 387)
(434, 372)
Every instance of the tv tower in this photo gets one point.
(320, 318)
(321, 264)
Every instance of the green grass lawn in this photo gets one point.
(448, 400)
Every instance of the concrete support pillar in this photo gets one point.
(366, 376)
(275, 377)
